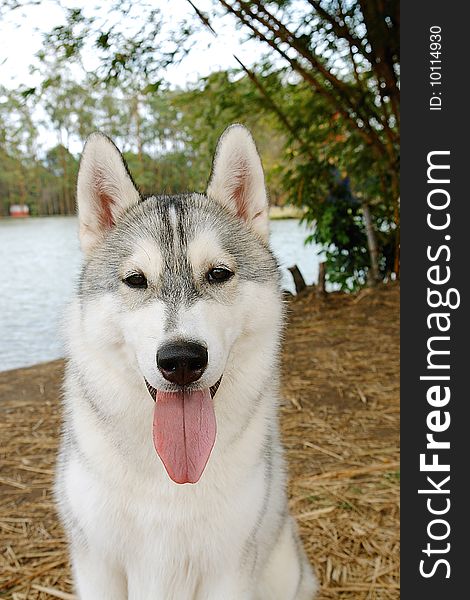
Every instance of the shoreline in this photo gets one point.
(43, 363)
(276, 213)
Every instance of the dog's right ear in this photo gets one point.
(105, 189)
(237, 179)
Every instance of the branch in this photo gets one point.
(367, 132)
(341, 30)
(274, 107)
(203, 18)
(342, 89)
(382, 51)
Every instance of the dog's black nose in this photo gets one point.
(182, 362)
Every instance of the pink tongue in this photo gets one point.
(184, 431)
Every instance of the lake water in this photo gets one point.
(40, 260)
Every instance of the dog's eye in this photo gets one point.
(136, 280)
(218, 275)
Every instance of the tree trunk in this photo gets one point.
(373, 276)
(299, 281)
(396, 261)
(321, 279)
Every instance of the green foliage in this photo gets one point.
(331, 172)
(332, 82)
(338, 226)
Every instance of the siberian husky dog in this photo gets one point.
(171, 479)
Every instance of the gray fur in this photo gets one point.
(150, 220)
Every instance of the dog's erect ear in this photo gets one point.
(104, 189)
(237, 179)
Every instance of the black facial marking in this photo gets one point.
(176, 287)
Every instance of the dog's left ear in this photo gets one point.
(237, 179)
(105, 190)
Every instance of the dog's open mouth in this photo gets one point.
(184, 430)
(213, 389)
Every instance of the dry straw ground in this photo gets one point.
(340, 424)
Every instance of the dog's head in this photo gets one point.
(184, 284)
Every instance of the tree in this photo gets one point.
(330, 152)
(346, 51)
(63, 166)
(347, 54)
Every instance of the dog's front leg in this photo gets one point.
(96, 578)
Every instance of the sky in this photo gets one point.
(21, 37)
(21, 34)
(22, 30)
